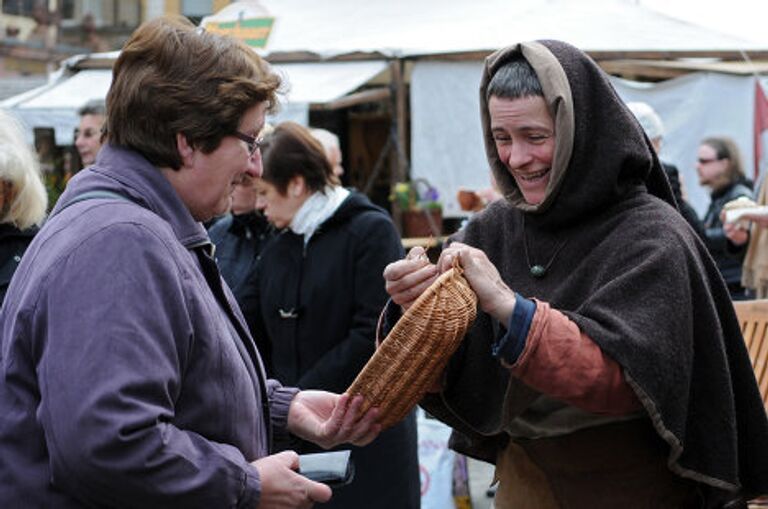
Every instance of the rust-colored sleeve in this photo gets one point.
(561, 361)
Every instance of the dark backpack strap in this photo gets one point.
(92, 195)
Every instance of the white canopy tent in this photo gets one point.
(425, 27)
(56, 103)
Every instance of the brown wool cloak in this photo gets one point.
(631, 274)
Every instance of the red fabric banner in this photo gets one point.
(761, 124)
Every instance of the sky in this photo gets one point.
(747, 19)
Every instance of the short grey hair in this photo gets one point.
(514, 79)
(325, 137)
(648, 118)
(93, 107)
(19, 167)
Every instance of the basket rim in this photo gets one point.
(433, 288)
(453, 273)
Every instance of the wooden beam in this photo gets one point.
(286, 57)
(637, 72)
(733, 55)
(397, 169)
(403, 107)
(725, 55)
(679, 67)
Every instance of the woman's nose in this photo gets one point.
(518, 156)
(261, 203)
(255, 168)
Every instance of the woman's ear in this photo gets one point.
(186, 151)
(297, 186)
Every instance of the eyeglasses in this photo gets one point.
(707, 161)
(253, 143)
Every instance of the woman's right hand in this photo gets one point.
(406, 279)
(283, 488)
(737, 234)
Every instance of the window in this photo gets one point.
(108, 13)
(19, 7)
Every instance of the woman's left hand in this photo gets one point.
(493, 295)
(329, 419)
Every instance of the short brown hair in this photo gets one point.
(291, 150)
(174, 78)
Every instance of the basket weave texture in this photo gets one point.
(417, 349)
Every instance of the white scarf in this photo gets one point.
(316, 209)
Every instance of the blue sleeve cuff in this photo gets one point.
(509, 346)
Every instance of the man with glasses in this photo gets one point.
(88, 132)
(720, 169)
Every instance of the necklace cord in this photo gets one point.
(537, 270)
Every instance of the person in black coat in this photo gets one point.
(685, 208)
(23, 199)
(239, 237)
(719, 167)
(13, 243)
(319, 293)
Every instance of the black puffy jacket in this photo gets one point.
(13, 243)
(729, 257)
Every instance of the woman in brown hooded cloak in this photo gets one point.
(607, 368)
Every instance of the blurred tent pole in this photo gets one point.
(761, 131)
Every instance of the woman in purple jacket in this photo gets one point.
(129, 378)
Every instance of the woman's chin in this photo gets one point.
(533, 192)
(533, 197)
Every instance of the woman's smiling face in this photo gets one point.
(524, 133)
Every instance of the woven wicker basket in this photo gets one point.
(417, 349)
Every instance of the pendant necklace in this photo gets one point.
(538, 271)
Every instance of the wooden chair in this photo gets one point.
(753, 318)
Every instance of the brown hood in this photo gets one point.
(589, 120)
